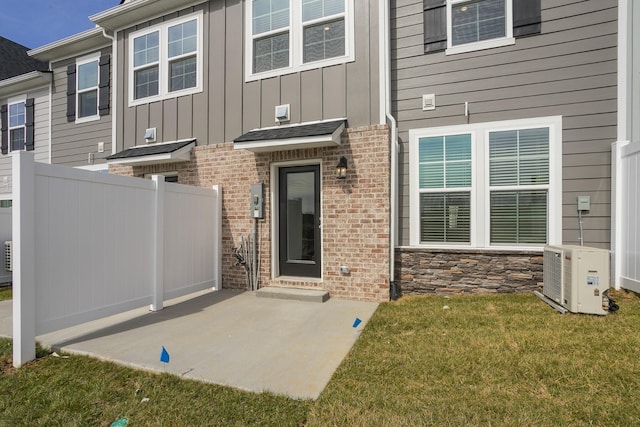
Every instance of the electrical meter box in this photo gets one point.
(257, 201)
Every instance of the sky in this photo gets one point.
(35, 23)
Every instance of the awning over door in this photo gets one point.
(292, 137)
(164, 152)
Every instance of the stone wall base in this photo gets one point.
(451, 271)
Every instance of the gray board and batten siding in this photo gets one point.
(229, 106)
(569, 69)
(72, 142)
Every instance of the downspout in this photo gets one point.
(114, 84)
(387, 117)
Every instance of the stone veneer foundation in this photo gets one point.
(355, 211)
(454, 271)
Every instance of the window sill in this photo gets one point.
(470, 249)
(250, 77)
(87, 119)
(487, 44)
(171, 95)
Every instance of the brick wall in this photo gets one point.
(447, 271)
(355, 211)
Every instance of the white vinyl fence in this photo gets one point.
(629, 256)
(89, 245)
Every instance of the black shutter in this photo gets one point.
(103, 95)
(29, 124)
(71, 93)
(435, 25)
(527, 17)
(4, 117)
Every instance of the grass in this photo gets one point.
(487, 360)
(5, 293)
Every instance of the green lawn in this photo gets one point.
(503, 360)
(5, 293)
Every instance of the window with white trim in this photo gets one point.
(17, 126)
(458, 26)
(486, 185)
(166, 60)
(478, 24)
(87, 74)
(287, 36)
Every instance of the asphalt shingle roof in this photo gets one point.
(14, 60)
(150, 150)
(287, 132)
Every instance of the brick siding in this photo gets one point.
(355, 211)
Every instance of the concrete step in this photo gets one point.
(298, 294)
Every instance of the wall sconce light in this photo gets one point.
(341, 169)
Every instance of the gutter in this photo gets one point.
(386, 117)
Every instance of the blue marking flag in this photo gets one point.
(164, 355)
(356, 322)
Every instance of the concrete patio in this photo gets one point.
(229, 337)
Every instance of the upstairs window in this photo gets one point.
(17, 129)
(166, 60)
(287, 36)
(17, 126)
(458, 26)
(87, 88)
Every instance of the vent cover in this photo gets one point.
(429, 102)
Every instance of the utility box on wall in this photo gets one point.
(257, 201)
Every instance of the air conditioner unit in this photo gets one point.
(577, 278)
(8, 255)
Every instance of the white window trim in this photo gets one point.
(12, 101)
(480, 192)
(81, 61)
(481, 45)
(163, 62)
(295, 30)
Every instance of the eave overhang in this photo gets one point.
(74, 45)
(24, 83)
(292, 137)
(153, 154)
(134, 12)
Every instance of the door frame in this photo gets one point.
(275, 218)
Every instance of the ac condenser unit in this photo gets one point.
(577, 278)
(8, 255)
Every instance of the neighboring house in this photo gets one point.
(81, 120)
(506, 113)
(626, 151)
(271, 92)
(24, 109)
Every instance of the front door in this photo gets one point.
(299, 221)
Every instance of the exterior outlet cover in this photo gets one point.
(100, 147)
(429, 102)
(282, 113)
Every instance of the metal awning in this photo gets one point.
(150, 154)
(292, 137)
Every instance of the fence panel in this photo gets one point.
(88, 245)
(630, 256)
(92, 245)
(190, 218)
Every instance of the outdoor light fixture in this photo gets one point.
(341, 169)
